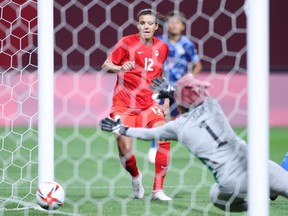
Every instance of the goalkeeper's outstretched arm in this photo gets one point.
(165, 132)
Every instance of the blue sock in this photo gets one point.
(284, 163)
(153, 144)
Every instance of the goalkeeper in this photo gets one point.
(205, 131)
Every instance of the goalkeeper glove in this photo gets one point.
(110, 125)
(163, 88)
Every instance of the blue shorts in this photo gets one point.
(172, 106)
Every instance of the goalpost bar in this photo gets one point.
(258, 101)
(45, 91)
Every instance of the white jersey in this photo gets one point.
(206, 132)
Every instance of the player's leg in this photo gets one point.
(172, 116)
(126, 155)
(128, 161)
(161, 167)
(153, 147)
(284, 163)
(278, 180)
(228, 202)
(127, 158)
(163, 151)
(154, 117)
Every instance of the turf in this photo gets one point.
(87, 166)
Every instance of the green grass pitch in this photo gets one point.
(88, 167)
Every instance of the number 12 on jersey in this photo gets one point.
(157, 110)
(148, 64)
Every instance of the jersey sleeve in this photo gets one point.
(120, 53)
(165, 132)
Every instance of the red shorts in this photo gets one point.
(138, 117)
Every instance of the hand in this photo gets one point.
(160, 84)
(128, 65)
(111, 125)
(162, 87)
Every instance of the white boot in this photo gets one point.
(138, 189)
(160, 195)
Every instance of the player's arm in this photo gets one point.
(164, 132)
(196, 68)
(114, 62)
(108, 65)
(194, 65)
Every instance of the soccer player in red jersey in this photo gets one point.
(137, 59)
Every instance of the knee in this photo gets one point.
(124, 146)
(125, 151)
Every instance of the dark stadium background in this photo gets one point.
(25, 43)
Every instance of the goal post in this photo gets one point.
(258, 101)
(50, 110)
(45, 91)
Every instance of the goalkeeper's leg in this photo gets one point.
(278, 178)
(228, 201)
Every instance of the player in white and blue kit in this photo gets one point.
(205, 131)
(182, 56)
(182, 59)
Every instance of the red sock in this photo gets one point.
(161, 164)
(130, 165)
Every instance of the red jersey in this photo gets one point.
(132, 87)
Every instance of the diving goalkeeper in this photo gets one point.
(205, 131)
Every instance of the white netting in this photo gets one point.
(86, 159)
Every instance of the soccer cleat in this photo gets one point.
(152, 155)
(138, 189)
(160, 195)
(273, 196)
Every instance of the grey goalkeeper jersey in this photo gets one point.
(206, 132)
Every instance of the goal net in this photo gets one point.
(86, 159)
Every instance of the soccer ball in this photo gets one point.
(50, 195)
